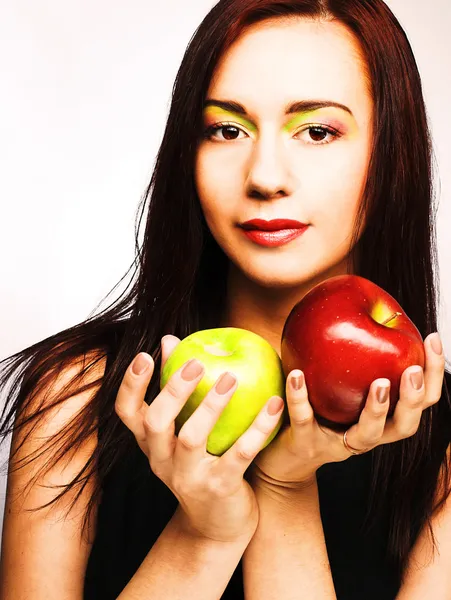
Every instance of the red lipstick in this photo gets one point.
(274, 225)
(273, 233)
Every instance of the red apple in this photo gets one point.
(345, 333)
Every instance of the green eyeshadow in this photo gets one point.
(216, 115)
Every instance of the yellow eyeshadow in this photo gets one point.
(298, 120)
(217, 114)
(324, 118)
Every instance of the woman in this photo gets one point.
(296, 110)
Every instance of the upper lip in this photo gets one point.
(274, 225)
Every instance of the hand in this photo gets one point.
(215, 502)
(292, 458)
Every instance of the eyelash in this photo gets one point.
(208, 134)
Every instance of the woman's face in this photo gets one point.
(309, 165)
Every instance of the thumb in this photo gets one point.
(168, 344)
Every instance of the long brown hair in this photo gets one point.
(178, 282)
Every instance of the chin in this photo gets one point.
(275, 276)
(272, 278)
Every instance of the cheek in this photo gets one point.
(336, 185)
(216, 188)
(220, 168)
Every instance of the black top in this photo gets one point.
(136, 506)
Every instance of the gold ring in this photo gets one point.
(350, 448)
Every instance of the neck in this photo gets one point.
(264, 310)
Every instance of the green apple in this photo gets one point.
(255, 364)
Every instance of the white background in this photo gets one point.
(85, 89)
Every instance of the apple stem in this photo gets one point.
(393, 316)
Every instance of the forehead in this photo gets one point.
(277, 61)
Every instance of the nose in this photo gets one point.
(269, 173)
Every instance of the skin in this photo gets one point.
(266, 168)
(221, 517)
(272, 166)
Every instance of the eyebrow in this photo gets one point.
(295, 107)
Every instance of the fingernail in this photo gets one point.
(297, 380)
(225, 383)
(416, 379)
(382, 393)
(275, 405)
(436, 343)
(165, 338)
(191, 370)
(140, 364)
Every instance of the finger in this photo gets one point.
(159, 421)
(368, 432)
(434, 370)
(168, 344)
(130, 405)
(299, 408)
(193, 436)
(409, 408)
(234, 462)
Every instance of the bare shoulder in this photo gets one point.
(44, 552)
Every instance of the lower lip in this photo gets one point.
(273, 238)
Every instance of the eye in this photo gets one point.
(232, 131)
(319, 133)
